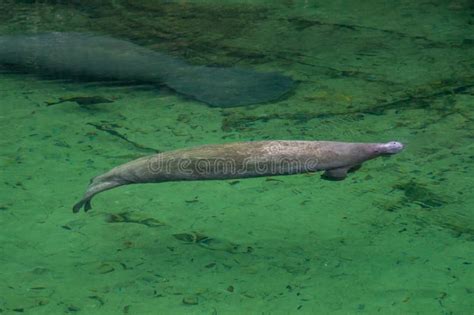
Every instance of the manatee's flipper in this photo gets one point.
(229, 87)
(336, 173)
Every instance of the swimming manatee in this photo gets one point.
(69, 55)
(240, 160)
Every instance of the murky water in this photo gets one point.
(395, 237)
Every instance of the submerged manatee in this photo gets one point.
(102, 57)
(240, 160)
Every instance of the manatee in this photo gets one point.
(71, 55)
(240, 160)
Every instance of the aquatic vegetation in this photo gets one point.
(419, 194)
(82, 100)
(133, 217)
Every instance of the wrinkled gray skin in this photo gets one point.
(240, 160)
(100, 57)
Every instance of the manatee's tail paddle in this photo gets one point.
(98, 184)
(230, 87)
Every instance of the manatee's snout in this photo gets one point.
(391, 147)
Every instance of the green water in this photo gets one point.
(395, 237)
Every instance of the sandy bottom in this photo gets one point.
(396, 237)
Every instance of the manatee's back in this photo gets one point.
(77, 54)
